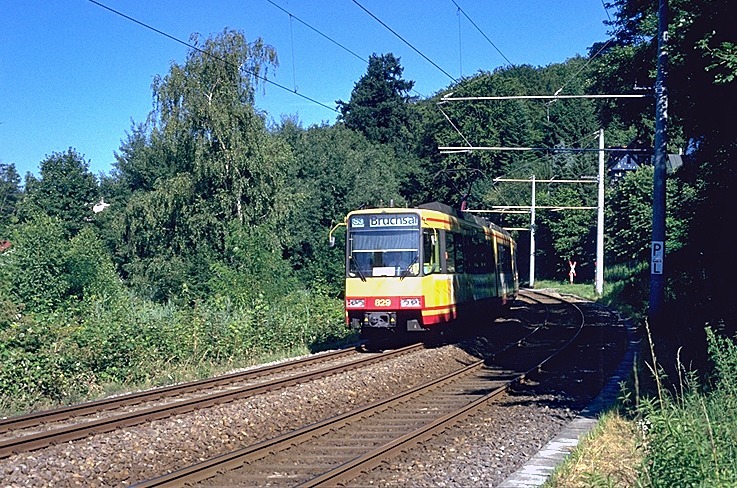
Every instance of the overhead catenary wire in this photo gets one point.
(206, 53)
(291, 15)
(462, 149)
(314, 29)
(450, 121)
(482, 33)
(588, 61)
(405, 41)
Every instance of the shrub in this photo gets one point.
(34, 270)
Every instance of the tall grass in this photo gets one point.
(691, 432)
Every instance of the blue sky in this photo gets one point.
(73, 74)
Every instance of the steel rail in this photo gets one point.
(376, 457)
(205, 469)
(236, 459)
(39, 440)
(63, 413)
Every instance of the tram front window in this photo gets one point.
(384, 253)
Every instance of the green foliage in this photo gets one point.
(725, 59)
(379, 104)
(35, 364)
(59, 356)
(34, 273)
(10, 196)
(207, 119)
(692, 437)
(506, 123)
(45, 270)
(66, 191)
(338, 170)
(723, 353)
(629, 217)
(204, 161)
(253, 262)
(571, 232)
(89, 269)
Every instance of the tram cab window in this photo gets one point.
(430, 252)
(383, 252)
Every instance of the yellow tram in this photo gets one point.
(417, 269)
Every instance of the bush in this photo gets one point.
(68, 327)
(57, 357)
(34, 269)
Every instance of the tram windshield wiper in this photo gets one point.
(405, 273)
(358, 268)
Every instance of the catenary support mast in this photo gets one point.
(600, 220)
(657, 257)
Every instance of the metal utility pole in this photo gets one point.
(657, 259)
(600, 220)
(532, 236)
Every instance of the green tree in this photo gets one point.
(142, 159)
(629, 216)
(379, 104)
(203, 160)
(506, 123)
(34, 274)
(89, 269)
(206, 112)
(10, 195)
(338, 170)
(66, 190)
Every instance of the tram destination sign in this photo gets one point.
(385, 220)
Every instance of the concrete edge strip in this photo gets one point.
(538, 469)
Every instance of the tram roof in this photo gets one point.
(446, 209)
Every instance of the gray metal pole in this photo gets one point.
(600, 221)
(532, 236)
(657, 259)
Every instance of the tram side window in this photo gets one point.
(489, 255)
(461, 254)
(450, 253)
(469, 254)
(454, 252)
(483, 255)
(430, 252)
(504, 258)
(508, 259)
(477, 246)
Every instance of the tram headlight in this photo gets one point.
(355, 303)
(415, 302)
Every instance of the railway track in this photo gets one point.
(515, 344)
(41, 429)
(338, 449)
